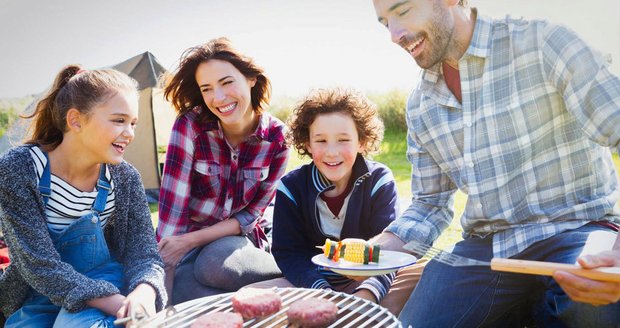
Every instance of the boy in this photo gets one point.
(339, 195)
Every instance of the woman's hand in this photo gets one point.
(172, 249)
(141, 301)
(585, 290)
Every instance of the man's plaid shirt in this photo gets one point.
(205, 181)
(529, 145)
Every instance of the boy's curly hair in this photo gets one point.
(336, 100)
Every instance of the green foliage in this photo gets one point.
(10, 110)
(390, 105)
(6, 118)
(282, 107)
(391, 108)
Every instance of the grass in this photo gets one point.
(393, 150)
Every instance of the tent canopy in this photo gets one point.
(144, 68)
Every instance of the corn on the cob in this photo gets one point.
(352, 250)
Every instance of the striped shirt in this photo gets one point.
(66, 203)
(529, 145)
(206, 181)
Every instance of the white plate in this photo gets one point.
(389, 261)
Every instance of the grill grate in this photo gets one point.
(352, 311)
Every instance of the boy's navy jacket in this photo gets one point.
(296, 229)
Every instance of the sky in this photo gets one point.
(302, 44)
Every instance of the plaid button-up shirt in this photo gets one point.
(205, 181)
(529, 145)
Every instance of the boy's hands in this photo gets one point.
(366, 294)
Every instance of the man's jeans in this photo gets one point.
(475, 296)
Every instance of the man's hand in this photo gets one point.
(585, 290)
(389, 241)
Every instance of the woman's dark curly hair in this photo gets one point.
(337, 100)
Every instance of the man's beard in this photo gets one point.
(435, 51)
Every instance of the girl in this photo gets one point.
(224, 158)
(74, 214)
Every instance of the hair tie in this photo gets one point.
(80, 71)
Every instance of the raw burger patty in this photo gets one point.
(219, 320)
(312, 312)
(256, 302)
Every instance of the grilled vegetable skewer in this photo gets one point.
(352, 250)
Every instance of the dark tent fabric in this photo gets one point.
(144, 68)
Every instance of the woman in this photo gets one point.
(224, 159)
(74, 214)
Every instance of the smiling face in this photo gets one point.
(423, 28)
(334, 144)
(227, 93)
(109, 127)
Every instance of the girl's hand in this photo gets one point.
(585, 290)
(109, 304)
(172, 249)
(140, 302)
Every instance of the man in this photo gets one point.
(520, 116)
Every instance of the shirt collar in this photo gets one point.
(480, 44)
(260, 133)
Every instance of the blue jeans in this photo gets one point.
(39, 312)
(83, 246)
(476, 296)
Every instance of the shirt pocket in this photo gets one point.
(252, 179)
(206, 179)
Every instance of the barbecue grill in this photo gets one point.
(352, 311)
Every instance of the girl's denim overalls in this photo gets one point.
(81, 244)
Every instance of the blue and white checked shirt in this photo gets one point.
(529, 145)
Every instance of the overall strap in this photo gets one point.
(45, 181)
(103, 189)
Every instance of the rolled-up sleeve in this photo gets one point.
(432, 200)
